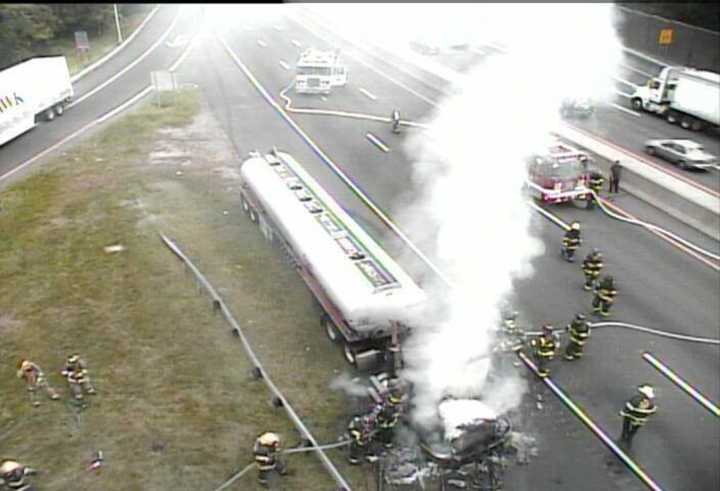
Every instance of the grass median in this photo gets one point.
(176, 406)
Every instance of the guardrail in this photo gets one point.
(678, 198)
(219, 305)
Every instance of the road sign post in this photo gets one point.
(163, 81)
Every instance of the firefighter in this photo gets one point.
(12, 476)
(579, 333)
(361, 429)
(395, 117)
(387, 416)
(509, 322)
(636, 412)
(76, 373)
(266, 450)
(604, 296)
(544, 347)
(592, 265)
(596, 184)
(35, 379)
(571, 242)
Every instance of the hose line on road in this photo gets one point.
(650, 226)
(647, 330)
(342, 114)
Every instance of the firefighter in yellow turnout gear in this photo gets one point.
(592, 266)
(267, 460)
(595, 183)
(579, 333)
(76, 374)
(604, 296)
(636, 412)
(35, 380)
(544, 347)
(12, 476)
(571, 241)
(360, 430)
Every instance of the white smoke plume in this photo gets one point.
(470, 166)
(350, 386)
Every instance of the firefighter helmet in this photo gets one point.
(575, 225)
(72, 359)
(269, 439)
(580, 317)
(647, 390)
(547, 328)
(8, 466)
(25, 365)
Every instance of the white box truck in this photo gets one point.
(34, 89)
(682, 95)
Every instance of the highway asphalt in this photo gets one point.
(660, 286)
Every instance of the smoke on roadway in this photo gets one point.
(470, 167)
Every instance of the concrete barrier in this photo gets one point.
(648, 182)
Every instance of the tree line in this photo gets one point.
(32, 29)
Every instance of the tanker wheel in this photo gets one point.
(245, 205)
(253, 215)
(49, 114)
(330, 329)
(686, 122)
(697, 125)
(349, 354)
(60, 109)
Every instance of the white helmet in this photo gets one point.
(269, 439)
(647, 390)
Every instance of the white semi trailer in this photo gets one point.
(34, 89)
(682, 95)
(366, 297)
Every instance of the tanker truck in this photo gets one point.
(31, 90)
(368, 300)
(682, 95)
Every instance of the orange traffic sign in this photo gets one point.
(666, 36)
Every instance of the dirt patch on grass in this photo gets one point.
(177, 408)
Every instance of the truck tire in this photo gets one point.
(697, 125)
(637, 104)
(686, 122)
(682, 164)
(253, 215)
(349, 354)
(330, 330)
(49, 114)
(671, 117)
(60, 109)
(650, 150)
(245, 205)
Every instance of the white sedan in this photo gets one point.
(687, 154)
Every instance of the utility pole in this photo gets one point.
(117, 24)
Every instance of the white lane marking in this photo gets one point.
(130, 66)
(560, 223)
(97, 121)
(296, 43)
(368, 94)
(626, 82)
(262, 43)
(377, 142)
(644, 56)
(623, 94)
(633, 69)
(626, 110)
(284, 65)
(105, 58)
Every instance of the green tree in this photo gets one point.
(23, 26)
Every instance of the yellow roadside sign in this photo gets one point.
(666, 36)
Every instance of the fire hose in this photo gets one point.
(245, 469)
(648, 330)
(651, 226)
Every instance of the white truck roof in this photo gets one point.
(369, 291)
(316, 57)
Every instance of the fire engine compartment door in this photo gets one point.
(339, 75)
